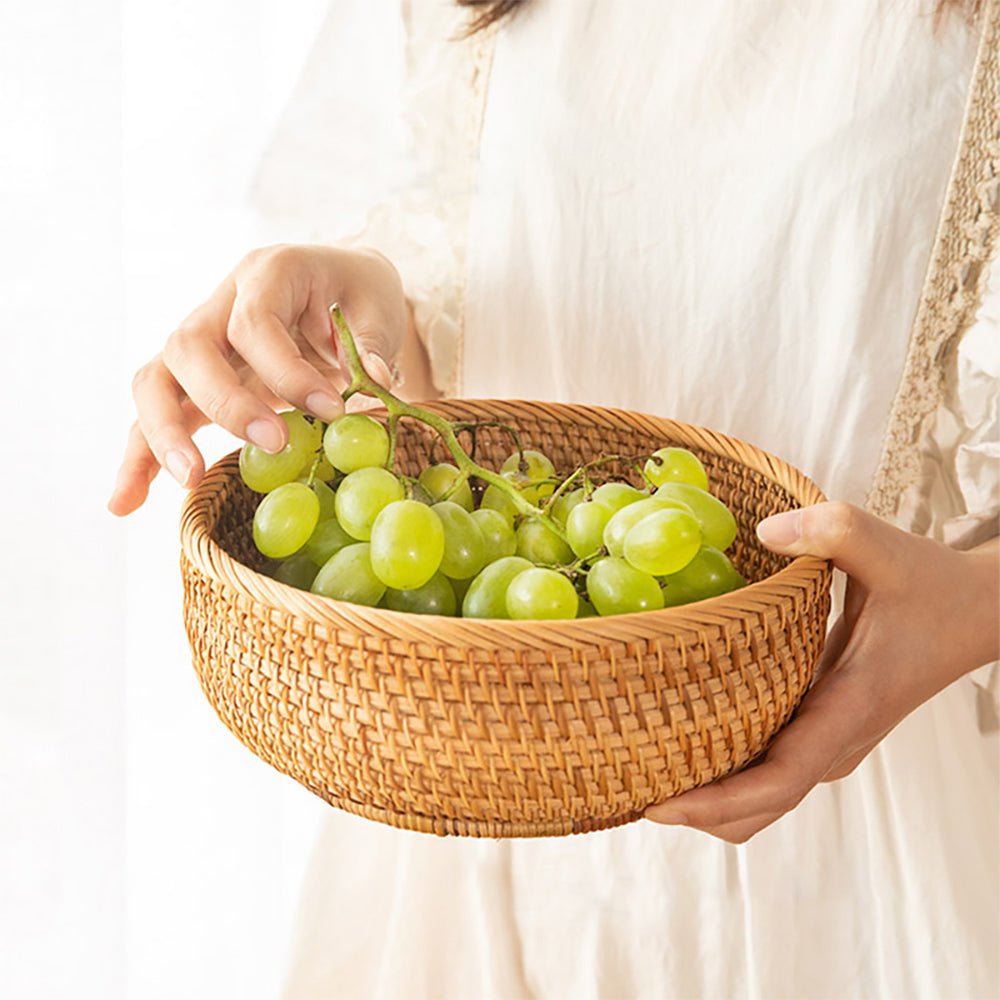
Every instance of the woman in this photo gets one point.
(722, 214)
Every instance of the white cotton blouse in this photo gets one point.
(721, 213)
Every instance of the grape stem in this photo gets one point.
(473, 425)
(396, 408)
(633, 460)
(393, 426)
(313, 468)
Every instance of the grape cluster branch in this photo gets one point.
(396, 408)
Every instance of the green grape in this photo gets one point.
(327, 498)
(324, 470)
(440, 483)
(586, 610)
(535, 468)
(561, 507)
(461, 588)
(535, 465)
(494, 498)
(361, 496)
(327, 537)
(614, 496)
(664, 542)
(624, 520)
(675, 465)
(616, 588)
(407, 544)
(305, 432)
(497, 534)
(348, 576)
(464, 545)
(709, 574)
(435, 597)
(355, 441)
(717, 522)
(585, 527)
(285, 519)
(263, 472)
(487, 593)
(539, 543)
(541, 594)
(297, 571)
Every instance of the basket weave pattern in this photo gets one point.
(505, 729)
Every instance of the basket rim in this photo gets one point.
(209, 558)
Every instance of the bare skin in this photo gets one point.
(260, 342)
(918, 615)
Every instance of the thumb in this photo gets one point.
(375, 350)
(377, 368)
(857, 542)
(372, 347)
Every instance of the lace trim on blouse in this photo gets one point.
(937, 371)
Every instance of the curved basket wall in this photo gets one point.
(507, 729)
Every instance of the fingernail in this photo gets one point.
(265, 435)
(324, 405)
(178, 466)
(781, 529)
(378, 370)
(666, 814)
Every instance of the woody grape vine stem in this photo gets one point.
(396, 408)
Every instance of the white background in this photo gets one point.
(143, 851)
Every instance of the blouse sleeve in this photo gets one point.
(977, 411)
(958, 500)
(377, 147)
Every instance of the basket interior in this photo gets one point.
(750, 495)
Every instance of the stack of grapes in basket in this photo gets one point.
(521, 542)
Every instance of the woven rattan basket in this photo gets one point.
(497, 728)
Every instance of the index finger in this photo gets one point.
(259, 330)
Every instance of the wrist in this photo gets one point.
(982, 569)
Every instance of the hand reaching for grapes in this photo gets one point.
(917, 616)
(263, 341)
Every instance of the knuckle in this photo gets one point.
(797, 791)
(840, 771)
(159, 440)
(140, 378)
(792, 785)
(284, 255)
(238, 330)
(376, 340)
(386, 269)
(252, 258)
(222, 406)
(274, 258)
(847, 766)
(247, 315)
(178, 345)
(287, 383)
(838, 520)
(791, 800)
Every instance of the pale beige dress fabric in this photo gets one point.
(717, 212)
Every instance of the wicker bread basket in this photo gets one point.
(498, 728)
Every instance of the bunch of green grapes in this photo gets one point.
(336, 520)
